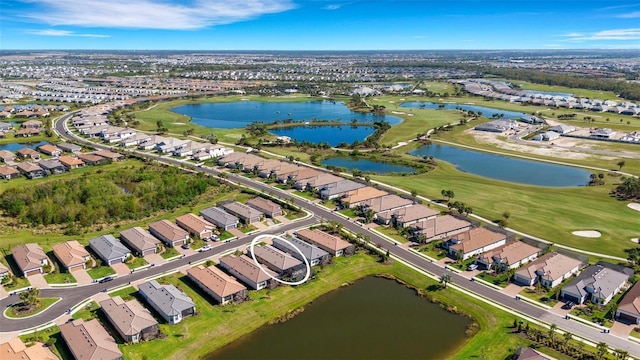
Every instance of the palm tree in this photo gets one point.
(567, 336)
(30, 297)
(620, 164)
(445, 279)
(602, 349)
(621, 354)
(552, 332)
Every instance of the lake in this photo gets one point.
(332, 134)
(238, 114)
(13, 147)
(486, 111)
(505, 168)
(377, 167)
(374, 318)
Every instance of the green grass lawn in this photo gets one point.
(349, 212)
(61, 278)
(226, 235)
(43, 304)
(169, 252)
(542, 295)
(597, 314)
(592, 94)
(17, 283)
(549, 213)
(126, 293)
(305, 194)
(100, 272)
(215, 326)
(87, 312)
(136, 262)
(247, 228)
(433, 250)
(501, 280)
(391, 232)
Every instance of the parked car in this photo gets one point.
(472, 267)
(568, 305)
(106, 279)
(205, 248)
(185, 246)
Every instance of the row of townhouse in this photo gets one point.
(229, 214)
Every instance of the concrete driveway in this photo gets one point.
(82, 276)
(37, 281)
(282, 219)
(121, 269)
(155, 259)
(236, 233)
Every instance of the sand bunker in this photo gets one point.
(635, 240)
(587, 233)
(634, 206)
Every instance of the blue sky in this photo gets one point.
(319, 24)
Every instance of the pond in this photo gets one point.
(505, 168)
(332, 134)
(373, 318)
(365, 165)
(238, 114)
(13, 147)
(486, 111)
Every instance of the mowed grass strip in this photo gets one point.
(549, 213)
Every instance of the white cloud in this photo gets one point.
(150, 14)
(333, 7)
(54, 32)
(617, 34)
(631, 15)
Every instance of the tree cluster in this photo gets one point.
(128, 193)
(629, 189)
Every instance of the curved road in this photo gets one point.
(73, 296)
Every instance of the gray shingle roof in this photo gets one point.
(309, 251)
(167, 298)
(218, 216)
(108, 247)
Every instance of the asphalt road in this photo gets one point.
(73, 296)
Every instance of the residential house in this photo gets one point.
(89, 341)
(474, 242)
(246, 270)
(135, 140)
(70, 162)
(30, 170)
(4, 271)
(140, 241)
(169, 145)
(112, 156)
(329, 243)
(109, 249)
(439, 227)
(151, 143)
(596, 283)
(196, 225)
(30, 258)
(172, 304)
(27, 132)
(5, 126)
(52, 166)
(220, 218)
(302, 172)
(71, 255)
(300, 249)
(562, 128)
(629, 307)
(31, 124)
(406, 216)
(527, 353)
(550, 270)
(338, 189)
(509, 256)
(92, 159)
(266, 206)
(71, 148)
(28, 153)
(8, 172)
(356, 197)
(285, 265)
(7, 156)
(317, 182)
(170, 233)
(131, 320)
(245, 213)
(220, 286)
(49, 149)
(15, 349)
(388, 202)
